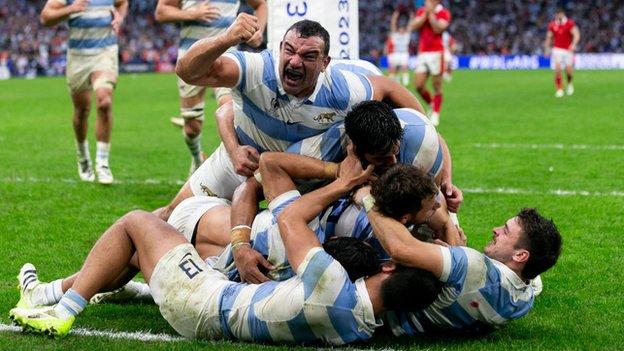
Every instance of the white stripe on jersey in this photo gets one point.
(191, 31)
(267, 118)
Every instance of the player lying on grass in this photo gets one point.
(319, 304)
(482, 292)
(277, 100)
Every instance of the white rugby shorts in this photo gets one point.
(216, 176)
(398, 59)
(430, 62)
(563, 57)
(80, 67)
(187, 214)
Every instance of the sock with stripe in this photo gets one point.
(71, 304)
(47, 294)
(101, 156)
(194, 145)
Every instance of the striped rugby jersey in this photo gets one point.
(478, 291)
(319, 304)
(420, 145)
(268, 119)
(192, 31)
(341, 218)
(90, 31)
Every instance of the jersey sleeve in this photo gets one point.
(461, 265)
(250, 68)
(330, 146)
(278, 204)
(323, 277)
(444, 15)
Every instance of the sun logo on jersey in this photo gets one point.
(325, 118)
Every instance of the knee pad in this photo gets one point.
(194, 112)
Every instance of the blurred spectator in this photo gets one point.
(479, 27)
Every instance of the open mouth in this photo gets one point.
(293, 76)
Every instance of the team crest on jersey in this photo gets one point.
(206, 190)
(325, 118)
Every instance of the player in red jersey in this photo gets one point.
(431, 21)
(566, 36)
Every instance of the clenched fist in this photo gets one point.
(243, 28)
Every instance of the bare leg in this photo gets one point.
(82, 104)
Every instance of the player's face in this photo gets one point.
(429, 206)
(504, 241)
(383, 161)
(559, 16)
(301, 62)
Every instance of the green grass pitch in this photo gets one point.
(502, 128)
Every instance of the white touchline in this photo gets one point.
(140, 336)
(548, 146)
(477, 190)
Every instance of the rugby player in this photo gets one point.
(319, 304)
(397, 49)
(92, 66)
(278, 100)
(430, 21)
(566, 37)
(203, 20)
(483, 291)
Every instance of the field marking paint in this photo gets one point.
(549, 146)
(477, 190)
(140, 336)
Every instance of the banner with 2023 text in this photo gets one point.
(339, 17)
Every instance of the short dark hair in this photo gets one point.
(401, 189)
(542, 239)
(307, 28)
(409, 289)
(560, 10)
(373, 127)
(358, 258)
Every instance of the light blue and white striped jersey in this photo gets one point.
(90, 31)
(478, 291)
(268, 119)
(341, 218)
(192, 31)
(319, 304)
(420, 145)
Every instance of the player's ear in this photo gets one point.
(388, 267)
(521, 256)
(326, 61)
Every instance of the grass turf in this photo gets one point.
(51, 220)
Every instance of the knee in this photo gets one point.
(192, 127)
(104, 101)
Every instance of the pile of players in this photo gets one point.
(357, 233)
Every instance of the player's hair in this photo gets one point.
(542, 239)
(409, 289)
(373, 127)
(358, 258)
(307, 28)
(560, 10)
(401, 189)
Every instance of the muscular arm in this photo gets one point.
(438, 25)
(391, 91)
(403, 247)
(54, 12)
(452, 194)
(203, 65)
(444, 227)
(417, 22)
(576, 37)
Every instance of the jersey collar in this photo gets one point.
(367, 305)
(510, 275)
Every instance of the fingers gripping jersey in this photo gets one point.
(319, 304)
(479, 291)
(420, 145)
(192, 31)
(268, 119)
(90, 31)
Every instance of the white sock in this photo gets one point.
(142, 290)
(82, 149)
(71, 304)
(102, 150)
(194, 145)
(46, 294)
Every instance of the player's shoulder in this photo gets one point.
(551, 25)
(571, 23)
(410, 116)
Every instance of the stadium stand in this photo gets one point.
(480, 27)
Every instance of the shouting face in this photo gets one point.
(301, 62)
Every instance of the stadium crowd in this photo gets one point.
(480, 27)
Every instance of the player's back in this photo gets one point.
(319, 304)
(192, 31)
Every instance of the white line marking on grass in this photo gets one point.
(140, 336)
(555, 192)
(74, 181)
(549, 146)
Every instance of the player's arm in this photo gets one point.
(297, 237)
(417, 22)
(392, 92)
(547, 42)
(438, 25)
(203, 65)
(119, 14)
(168, 11)
(576, 37)
(260, 11)
(55, 11)
(244, 157)
(398, 241)
(394, 20)
(444, 227)
(453, 195)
